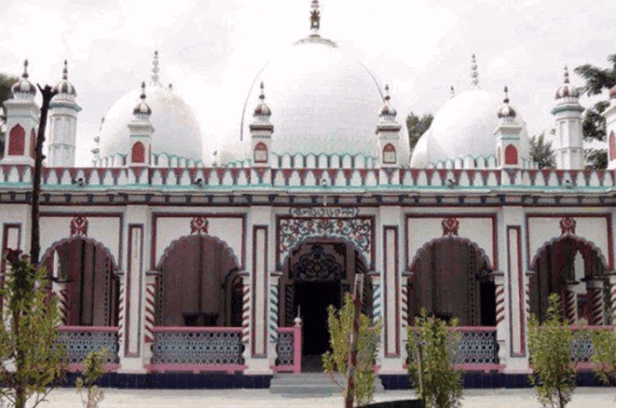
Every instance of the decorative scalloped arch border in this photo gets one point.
(323, 239)
(562, 237)
(96, 243)
(174, 243)
(430, 243)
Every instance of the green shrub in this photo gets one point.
(92, 371)
(340, 325)
(433, 345)
(604, 356)
(550, 351)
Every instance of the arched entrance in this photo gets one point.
(575, 269)
(198, 284)
(317, 274)
(450, 279)
(87, 269)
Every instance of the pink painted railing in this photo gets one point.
(197, 349)
(477, 349)
(289, 349)
(78, 341)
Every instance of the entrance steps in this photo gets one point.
(311, 385)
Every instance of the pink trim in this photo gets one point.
(74, 368)
(182, 329)
(195, 368)
(111, 329)
(297, 365)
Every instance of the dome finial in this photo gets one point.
(143, 91)
(25, 74)
(261, 91)
(387, 97)
(65, 71)
(505, 90)
(566, 75)
(452, 94)
(315, 17)
(155, 69)
(506, 111)
(474, 71)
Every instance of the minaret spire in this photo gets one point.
(452, 94)
(65, 71)
(474, 71)
(315, 17)
(155, 69)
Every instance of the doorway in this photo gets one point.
(313, 298)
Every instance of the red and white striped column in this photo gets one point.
(150, 314)
(121, 311)
(570, 303)
(611, 281)
(246, 314)
(500, 315)
(595, 299)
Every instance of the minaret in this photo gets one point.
(388, 154)
(611, 129)
(63, 124)
(22, 121)
(568, 124)
(141, 131)
(261, 132)
(508, 133)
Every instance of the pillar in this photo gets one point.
(570, 303)
(595, 300)
(500, 315)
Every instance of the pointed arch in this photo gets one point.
(581, 243)
(426, 247)
(17, 141)
(48, 254)
(172, 246)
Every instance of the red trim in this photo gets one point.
(157, 215)
(521, 291)
(127, 290)
(491, 216)
(396, 290)
(254, 273)
(511, 155)
(138, 152)
(609, 235)
(17, 141)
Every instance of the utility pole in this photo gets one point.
(35, 245)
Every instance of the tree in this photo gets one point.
(604, 355)
(541, 151)
(550, 348)
(6, 83)
(594, 124)
(416, 126)
(433, 345)
(30, 362)
(340, 326)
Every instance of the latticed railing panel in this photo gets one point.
(78, 343)
(477, 347)
(285, 349)
(582, 347)
(198, 348)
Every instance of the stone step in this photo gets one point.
(310, 385)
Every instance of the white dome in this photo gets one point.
(464, 127)
(176, 131)
(322, 101)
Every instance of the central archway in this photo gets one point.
(317, 273)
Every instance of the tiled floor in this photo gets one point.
(502, 398)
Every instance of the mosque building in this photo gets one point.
(178, 262)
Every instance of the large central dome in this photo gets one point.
(322, 101)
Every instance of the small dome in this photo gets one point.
(64, 87)
(386, 109)
(262, 109)
(463, 127)
(142, 109)
(176, 130)
(506, 111)
(24, 89)
(566, 90)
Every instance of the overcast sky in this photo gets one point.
(212, 50)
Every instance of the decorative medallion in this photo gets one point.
(317, 265)
(358, 231)
(450, 226)
(568, 225)
(199, 225)
(326, 212)
(79, 226)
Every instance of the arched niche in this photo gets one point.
(450, 279)
(90, 274)
(197, 283)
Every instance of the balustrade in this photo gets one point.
(289, 349)
(197, 349)
(78, 341)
